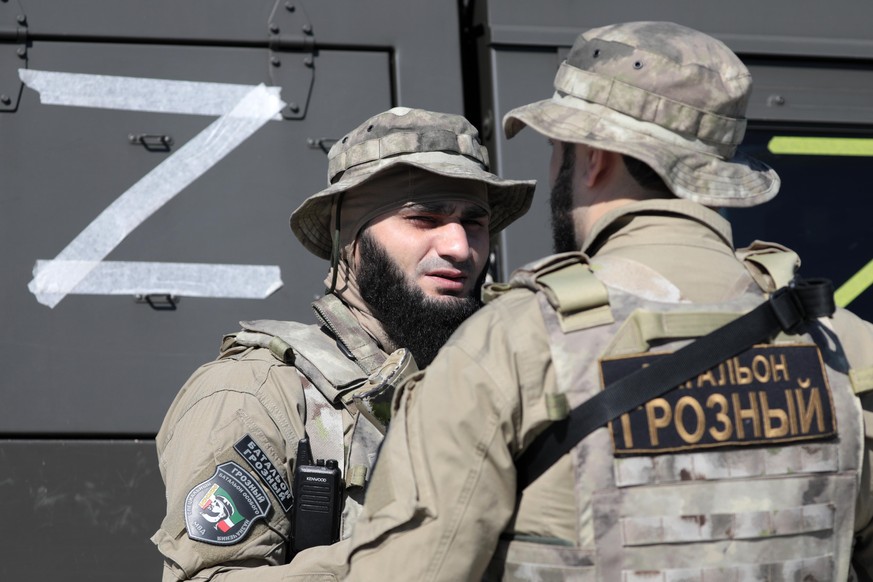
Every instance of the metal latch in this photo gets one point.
(159, 301)
(292, 55)
(321, 143)
(151, 142)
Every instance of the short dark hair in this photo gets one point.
(645, 176)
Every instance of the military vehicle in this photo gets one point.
(151, 152)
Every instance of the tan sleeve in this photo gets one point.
(856, 336)
(223, 402)
(444, 485)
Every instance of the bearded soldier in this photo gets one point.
(406, 221)
(658, 406)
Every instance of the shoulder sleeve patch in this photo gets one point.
(266, 470)
(222, 509)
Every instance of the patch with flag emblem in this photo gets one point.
(222, 509)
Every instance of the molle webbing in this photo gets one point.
(340, 321)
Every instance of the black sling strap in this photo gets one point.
(786, 310)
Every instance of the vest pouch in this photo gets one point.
(773, 502)
(776, 528)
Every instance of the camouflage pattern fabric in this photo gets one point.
(444, 489)
(249, 409)
(424, 142)
(662, 93)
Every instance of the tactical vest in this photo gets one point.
(748, 472)
(343, 369)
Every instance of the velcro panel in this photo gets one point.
(639, 531)
(815, 568)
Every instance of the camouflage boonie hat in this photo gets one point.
(439, 143)
(665, 94)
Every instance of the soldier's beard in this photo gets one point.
(411, 319)
(561, 202)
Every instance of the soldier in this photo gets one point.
(755, 468)
(406, 221)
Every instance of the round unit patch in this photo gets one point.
(222, 509)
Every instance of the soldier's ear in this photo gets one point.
(599, 164)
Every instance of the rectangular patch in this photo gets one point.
(765, 395)
(266, 470)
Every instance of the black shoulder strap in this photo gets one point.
(786, 310)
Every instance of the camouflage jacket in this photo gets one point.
(230, 438)
(445, 489)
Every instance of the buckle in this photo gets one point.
(788, 309)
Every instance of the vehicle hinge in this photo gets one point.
(13, 53)
(292, 56)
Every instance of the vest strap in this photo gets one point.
(324, 426)
(862, 380)
(357, 476)
(643, 327)
(557, 406)
(579, 298)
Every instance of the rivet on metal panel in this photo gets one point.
(21, 52)
(22, 19)
(274, 60)
(290, 7)
(5, 99)
(274, 28)
(293, 107)
(775, 100)
(308, 61)
(307, 28)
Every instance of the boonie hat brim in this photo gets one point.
(508, 199)
(741, 181)
(668, 95)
